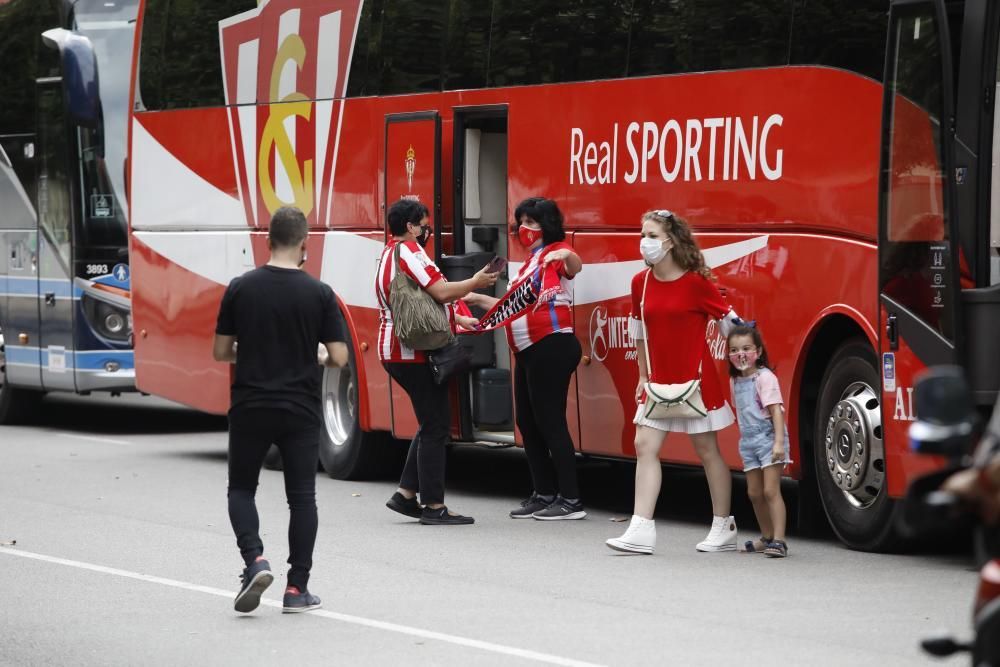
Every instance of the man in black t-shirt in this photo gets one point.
(277, 324)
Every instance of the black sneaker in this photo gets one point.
(528, 507)
(406, 506)
(560, 510)
(297, 602)
(442, 517)
(256, 579)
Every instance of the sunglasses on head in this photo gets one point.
(664, 213)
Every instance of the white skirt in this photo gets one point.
(715, 420)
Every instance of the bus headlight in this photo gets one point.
(114, 323)
(108, 320)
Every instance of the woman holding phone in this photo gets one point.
(546, 352)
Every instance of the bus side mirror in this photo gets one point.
(79, 76)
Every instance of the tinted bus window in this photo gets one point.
(179, 64)
(849, 34)
(467, 51)
(547, 41)
(19, 27)
(412, 46)
(705, 35)
(363, 78)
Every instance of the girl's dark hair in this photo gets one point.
(404, 212)
(546, 213)
(758, 340)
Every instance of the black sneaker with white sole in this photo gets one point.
(256, 578)
(297, 601)
(561, 510)
(528, 507)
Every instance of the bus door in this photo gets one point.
(412, 170)
(18, 264)
(54, 295)
(918, 249)
(480, 222)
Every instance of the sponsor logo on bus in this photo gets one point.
(609, 333)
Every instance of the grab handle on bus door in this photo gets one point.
(50, 298)
(892, 332)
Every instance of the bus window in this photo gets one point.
(55, 213)
(834, 33)
(704, 35)
(179, 63)
(583, 41)
(363, 78)
(412, 35)
(468, 49)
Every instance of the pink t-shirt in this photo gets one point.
(768, 392)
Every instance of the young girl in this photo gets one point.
(672, 303)
(763, 436)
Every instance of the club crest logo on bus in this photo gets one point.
(285, 66)
(411, 166)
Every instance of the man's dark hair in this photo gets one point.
(546, 213)
(288, 228)
(405, 212)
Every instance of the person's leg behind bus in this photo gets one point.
(251, 432)
(299, 445)
(551, 365)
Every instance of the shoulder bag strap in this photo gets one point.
(645, 332)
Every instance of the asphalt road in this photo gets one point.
(124, 555)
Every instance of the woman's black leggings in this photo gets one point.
(541, 380)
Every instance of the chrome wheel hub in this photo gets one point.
(855, 457)
(339, 402)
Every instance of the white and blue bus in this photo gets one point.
(65, 310)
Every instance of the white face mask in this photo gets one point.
(652, 250)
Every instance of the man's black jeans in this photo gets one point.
(425, 462)
(252, 431)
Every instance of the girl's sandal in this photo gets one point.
(776, 549)
(750, 547)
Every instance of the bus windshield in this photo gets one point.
(110, 25)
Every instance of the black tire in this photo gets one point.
(17, 405)
(862, 517)
(345, 451)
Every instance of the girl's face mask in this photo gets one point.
(744, 360)
(528, 236)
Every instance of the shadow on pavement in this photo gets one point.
(125, 415)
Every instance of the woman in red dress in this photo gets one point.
(672, 304)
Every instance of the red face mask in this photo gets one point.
(527, 236)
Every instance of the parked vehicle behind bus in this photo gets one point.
(832, 208)
(65, 308)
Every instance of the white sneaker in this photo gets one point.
(639, 538)
(722, 536)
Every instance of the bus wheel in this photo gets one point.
(17, 406)
(849, 456)
(345, 451)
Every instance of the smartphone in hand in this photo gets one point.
(496, 265)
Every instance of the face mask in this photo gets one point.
(528, 236)
(424, 236)
(743, 360)
(652, 250)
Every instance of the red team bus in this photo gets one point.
(840, 199)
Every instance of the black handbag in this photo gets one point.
(445, 362)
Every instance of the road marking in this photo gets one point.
(94, 438)
(344, 618)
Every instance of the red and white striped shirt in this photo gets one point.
(415, 263)
(555, 316)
